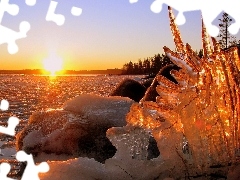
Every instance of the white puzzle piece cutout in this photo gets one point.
(180, 5)
(210, 11)
(76, 11)
(133, 1)
(4, 105)
(30, 2)
(7, 35)
(31, 171)
(11, 9)
(4, 170)
(232, 8)
(12, 121)
(59, 19)
(10, 130)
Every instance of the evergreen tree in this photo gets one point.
(150, 65)
(135, 68)
(140, 66)
(146, 66)
(156, 63)
(226, 39)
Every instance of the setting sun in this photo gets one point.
(53, 63)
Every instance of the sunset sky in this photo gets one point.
(107, 34)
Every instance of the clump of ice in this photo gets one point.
(131, 142)
(97, 108)
(79, 129)
(117, 169)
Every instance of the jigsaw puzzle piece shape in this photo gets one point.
(4, 105)
(9, 36)
(10, 130)
(156, 6)
(234, 28)
(59, 19)
(234, 13)
(12, 9)
(133, 1)
(31, 171)
(210, 10)
(4, 170)
(181, 6)
(76, 11)
(30, 2)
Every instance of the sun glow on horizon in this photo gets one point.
(53, 63)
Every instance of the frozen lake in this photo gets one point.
(29, 93)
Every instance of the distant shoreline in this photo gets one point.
(66, 72)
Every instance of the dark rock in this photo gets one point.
(147, 82)
(130, 88)
(153, 151)
(165, 71)
(151, 92)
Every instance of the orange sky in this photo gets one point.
(106, 35)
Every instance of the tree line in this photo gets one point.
(150, 65)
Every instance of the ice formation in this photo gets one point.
(195, 122)
(79, 129)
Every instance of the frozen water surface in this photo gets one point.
(29, 93)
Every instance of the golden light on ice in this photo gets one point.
(53, 63)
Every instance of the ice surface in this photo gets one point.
(131, 142)
(89, 169)
(75, 169)
(78, 130)
(95, 108)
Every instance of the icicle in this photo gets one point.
(175, 32)
(207, 51)
(216, 45)
(196, 120)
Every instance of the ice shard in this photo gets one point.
(195, 122)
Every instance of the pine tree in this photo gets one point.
(226, 39)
